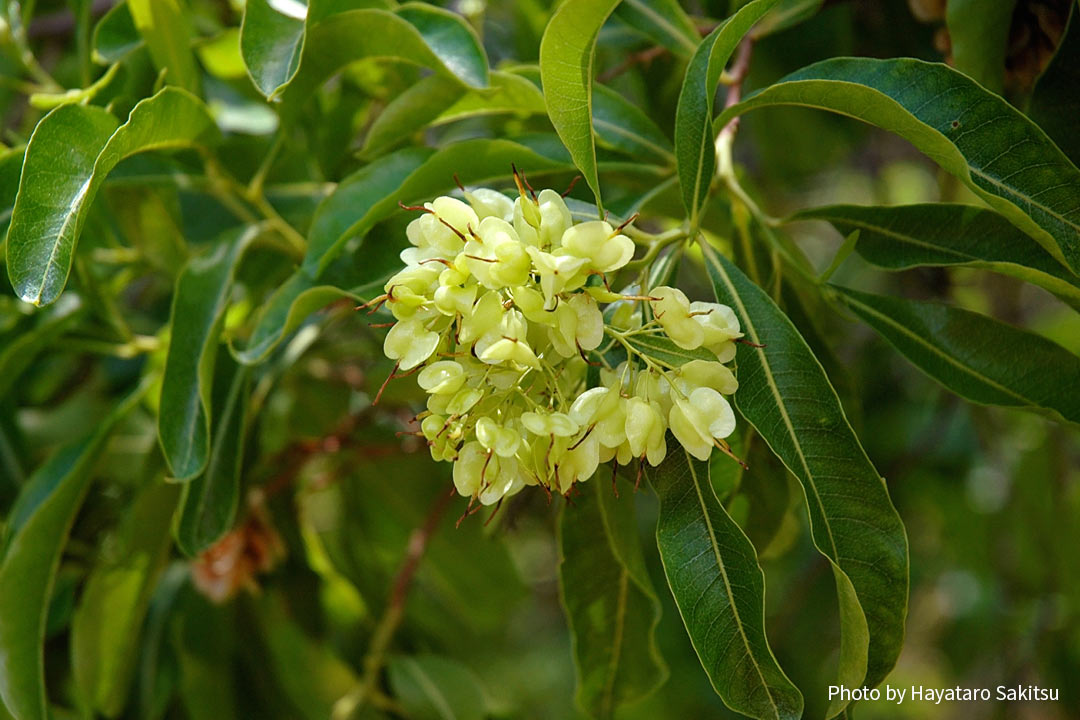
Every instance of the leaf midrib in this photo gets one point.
(936, 351)
(430, 689)
(752, 330)
(727, 584)
(663, 22)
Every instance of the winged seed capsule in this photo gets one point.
(498, 307)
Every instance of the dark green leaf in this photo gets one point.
(978, 37)
(624, 127)
(694, 145)
(421, 34)
(719, 587)
(786, 14)
(411, 111)
(10, 168)
(907, 236)
(69, 155)
(971, 133)
(271, 43)
(115, 35)
(35, 533)
(663, 350)
(209, 502)
(566, 68)
(785, 394)
(163, 25)
(976, 357)
(662, 21)
(107, 623)
(1055, 102)
(610, 602)
(202, 291)
(435, 688)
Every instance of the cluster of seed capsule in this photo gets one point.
(498, 311)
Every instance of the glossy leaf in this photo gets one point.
(271, 42)
(411, 111)
(34, 536)
(420, 34)
(430, 687)
(209, 502)
(786, 396)
(1055, 101)
(975, 135)
(566, 69)
(622, 126)
(975, 356)
(665, 351)
(787, 13)
(115, 35)
(69, 155)
(610, 602)
(163, 25)
(198, 310)
(106, 625)
(907, 236)
(694, 145)
(719, 587)
(662, 21)
(978, 39)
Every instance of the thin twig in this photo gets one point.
(643, 57)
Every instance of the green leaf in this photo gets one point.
(662, 21)
(566, 69)
(975, 135)
(719, 587)
(209, 502)
(787, 13)
(786, 396)
(271, 42)
(10, 168)
(411, 111)
(419, 34)
(694, 145)
(907, 236)
(1055, 102)
(36, 530)
(163, 25)
(978, 36)
(19, 352)
(71, 152)
(622, 126)
(610, 602)
(198, 310)
(115, 35)
(430, 687)
(975, 356)
(107, 623)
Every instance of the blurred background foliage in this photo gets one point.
(275, 620)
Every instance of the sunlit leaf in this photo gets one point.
(975, 135)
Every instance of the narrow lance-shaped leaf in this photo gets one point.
(662, 21)
(785, 394)
(11, 161)
(975, 356)
(906, 236)
(202, 291)
(420, 34)
(106, 625)
(719, 587)
(70, 154)
(975, 135)
(567, 52)
(610, 602)
(694, 146)
(271, 41)
(19, 352)
(115, 35)
(624, 127)
(34, 536)
(209, 502)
